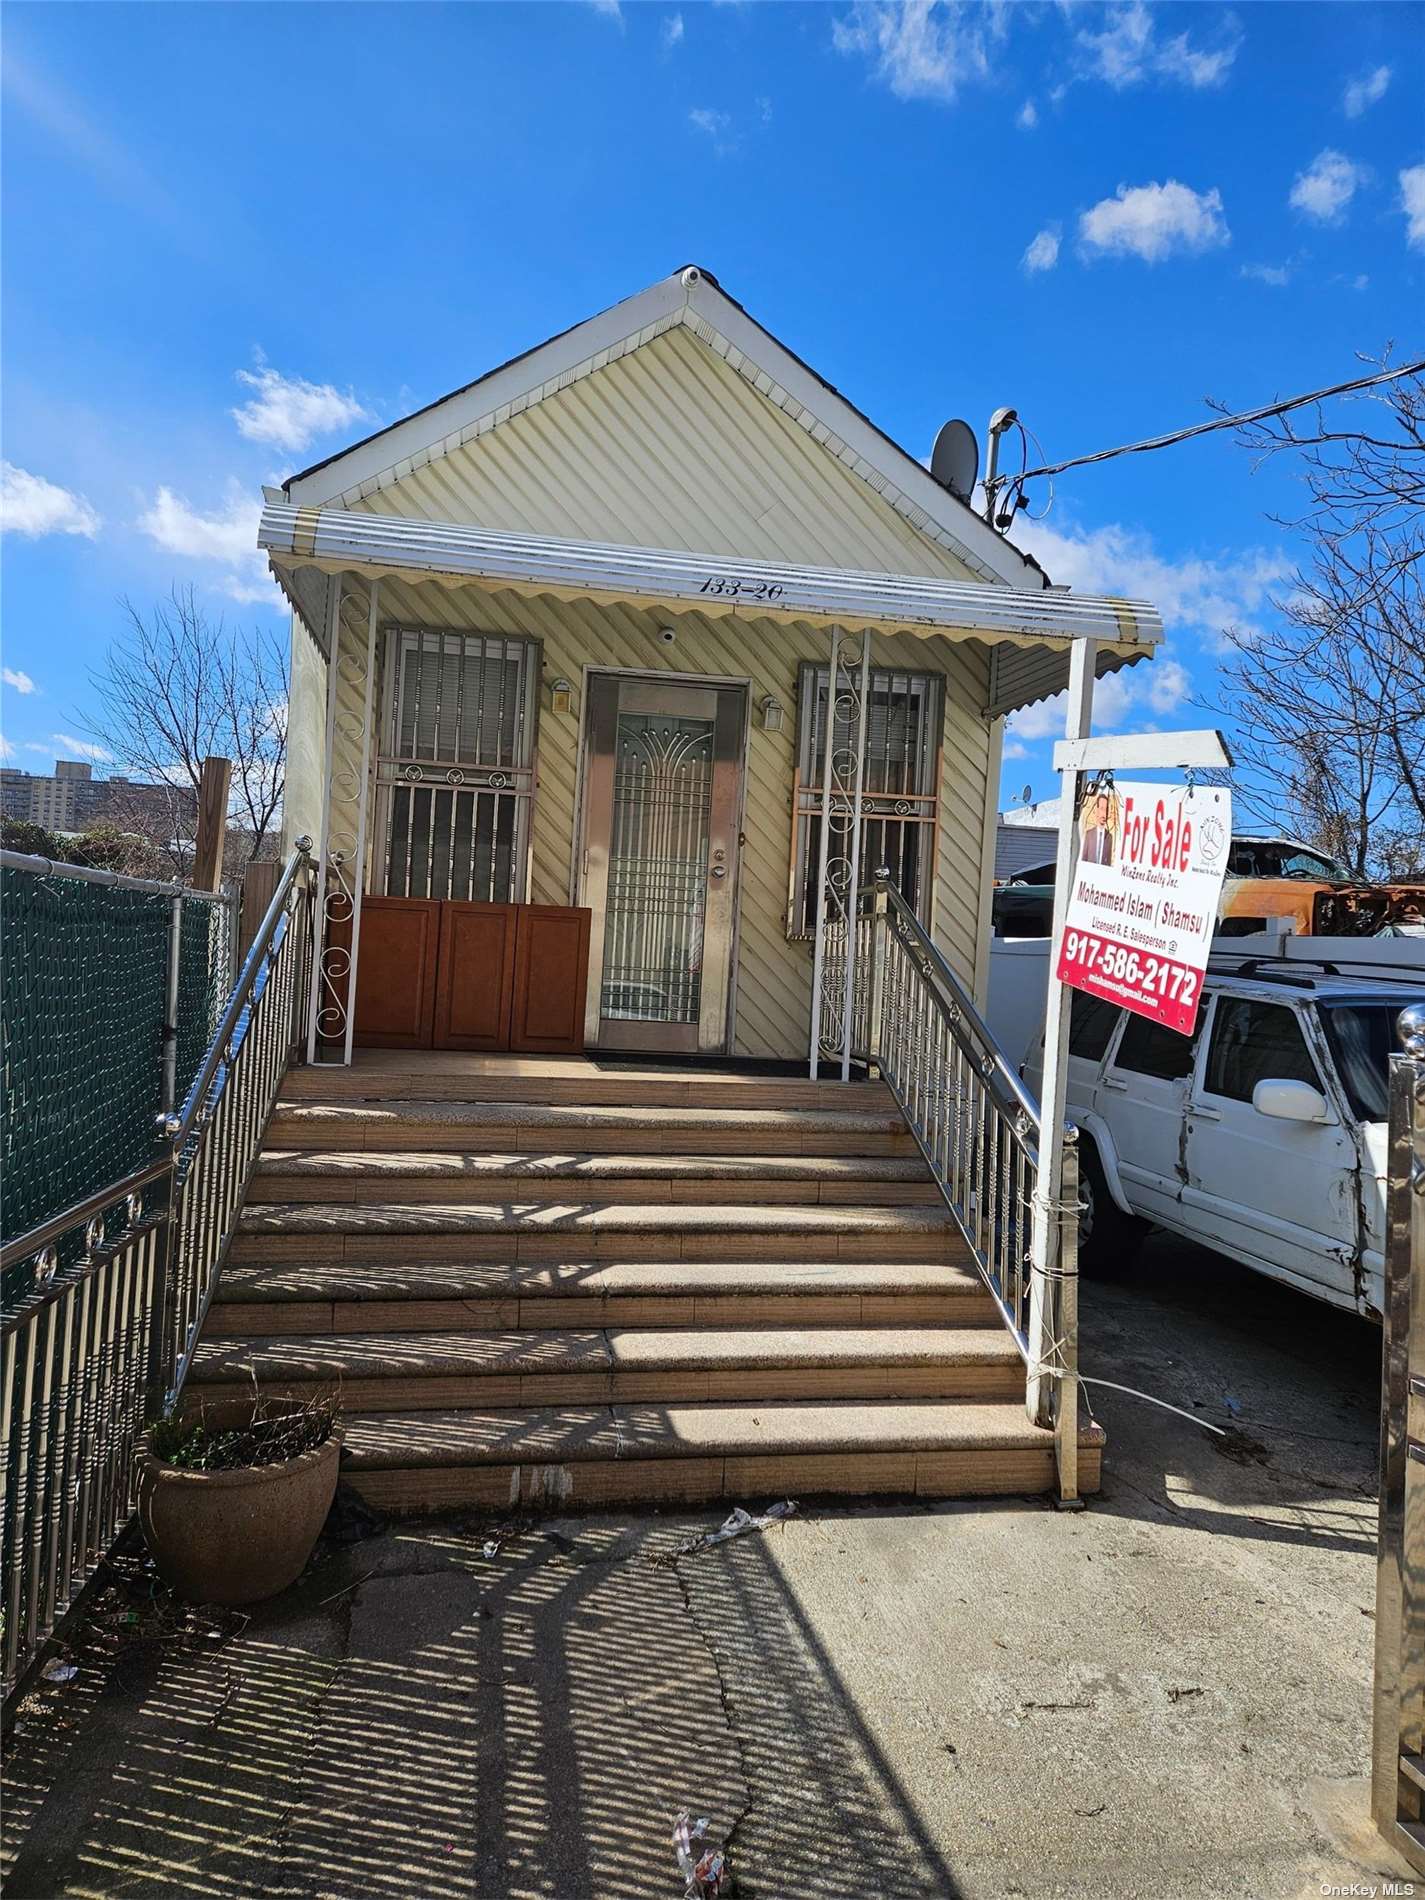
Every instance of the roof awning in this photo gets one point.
(340, 539)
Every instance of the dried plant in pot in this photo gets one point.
(233, 1494)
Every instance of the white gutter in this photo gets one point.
(336, 539)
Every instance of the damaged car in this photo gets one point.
(1261, 1136)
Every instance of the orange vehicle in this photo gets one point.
(1271, 877)
(1267, 877)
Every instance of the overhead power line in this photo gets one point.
(1218, 422)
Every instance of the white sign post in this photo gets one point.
(1074, 754)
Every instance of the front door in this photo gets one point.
(662, 791)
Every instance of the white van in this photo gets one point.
(1263, 1136)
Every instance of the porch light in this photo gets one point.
(561, 696)
(771, 713)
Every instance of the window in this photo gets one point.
(899, 791)
(1363, 1037)
(1147, 1048)
(1255, 1042)
(1091, 1023)
(455, 774)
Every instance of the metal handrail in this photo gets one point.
(213, 1144)
(979, 1129)
(77, 1214)
(1003, 1079)
(242, 993)
(103, 1344)
(1397, 1757)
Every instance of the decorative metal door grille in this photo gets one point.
(899, 787)
(455, 776)
(658, 868)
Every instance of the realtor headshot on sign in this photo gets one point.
(1097, 826)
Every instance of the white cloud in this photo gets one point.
(921, 49)
(1198, 595)
(1327, 186)
(610, 9)
(67, 746)
(21, 682)
(289, 412)
(1128, 52)
(1153, 221)
(228, 534)
(1152, 686)
(7, 751)
(32, 506)
(1014, 750)
(1027, 116)
(1274, 274)
(1412, 203)
(1364, 92)
(671, 31)
(717, 126)
(1042, 252)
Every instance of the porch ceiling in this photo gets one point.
(1031, 630)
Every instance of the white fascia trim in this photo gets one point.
(340, 538)
(687, 298)
(434, 432)
(793, 388)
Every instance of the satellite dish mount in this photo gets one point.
(955, 459)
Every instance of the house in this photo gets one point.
(583, 613)
(568, 647)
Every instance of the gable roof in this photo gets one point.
(692, 297)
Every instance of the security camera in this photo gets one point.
(667, 635)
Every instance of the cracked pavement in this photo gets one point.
(1167, 1693)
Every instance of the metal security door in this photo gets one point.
(662, 789)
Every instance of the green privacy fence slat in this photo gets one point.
(83, 982)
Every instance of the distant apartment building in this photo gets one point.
(72, 799)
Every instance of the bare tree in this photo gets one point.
(176, 688)
(1329, 703)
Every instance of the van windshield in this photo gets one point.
(1362, 1037)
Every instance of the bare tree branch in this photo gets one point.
(177, 687)
(1329, 702)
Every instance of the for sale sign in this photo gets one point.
(1143, 898)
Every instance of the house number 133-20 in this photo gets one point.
(741, 590)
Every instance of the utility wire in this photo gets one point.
(1218, 422)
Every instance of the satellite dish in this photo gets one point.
(1027, 795)
(955, 459)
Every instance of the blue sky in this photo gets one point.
(239, 235)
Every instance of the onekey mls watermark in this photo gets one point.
(1365, 1889)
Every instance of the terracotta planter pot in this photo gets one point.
(235, 1536)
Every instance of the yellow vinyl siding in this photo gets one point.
(773, 977)
(668, 447)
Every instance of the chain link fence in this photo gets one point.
(84, 999)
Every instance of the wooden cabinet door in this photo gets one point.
(475, 976)
(551, 975)
(395, 972)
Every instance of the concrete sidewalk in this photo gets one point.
(1167, 1694)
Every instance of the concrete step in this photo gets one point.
(579, 1456)
(300, 1299)
(296, 1175)
(531, 1128)
(532, 1230)
(439, 1371)
(394, 1075)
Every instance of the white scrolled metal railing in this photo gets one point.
(115, 1290)
(978, 1128)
